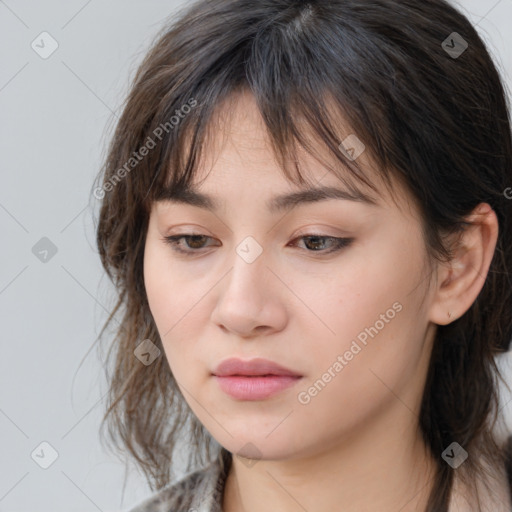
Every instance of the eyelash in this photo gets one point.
(340, 243)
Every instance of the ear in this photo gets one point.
(460, 281)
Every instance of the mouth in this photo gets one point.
(243, 387)
(256, 379)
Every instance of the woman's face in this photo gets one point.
(350, 321)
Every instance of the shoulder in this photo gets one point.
(197, 491)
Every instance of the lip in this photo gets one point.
(255, 379)
(252, 368)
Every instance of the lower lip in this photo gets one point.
(255, 388)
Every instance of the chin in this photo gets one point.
(260, 445)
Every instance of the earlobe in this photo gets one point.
(462, 279)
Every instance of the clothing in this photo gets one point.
(201, 490)
(198, 491)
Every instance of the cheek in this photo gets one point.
(170, 293)
(175, 302)
(351, 381)
(156, 282)
(376, 327)
(363, 304)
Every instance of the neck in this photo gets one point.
(364, 471)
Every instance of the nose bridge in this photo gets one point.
(245, 301)
(248, 269)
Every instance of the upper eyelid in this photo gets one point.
(301, 234)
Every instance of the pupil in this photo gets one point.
(196, 238)
(315, 244)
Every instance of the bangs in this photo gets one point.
(308, 125)
(304, 103)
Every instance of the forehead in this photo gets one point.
(237, 144)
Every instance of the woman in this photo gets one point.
(304, 211)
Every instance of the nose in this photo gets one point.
(250, 299)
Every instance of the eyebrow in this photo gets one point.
(275, 204)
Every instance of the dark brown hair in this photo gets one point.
(436, 121)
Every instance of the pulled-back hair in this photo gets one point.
(436, 121)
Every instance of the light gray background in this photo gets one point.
(56, 116)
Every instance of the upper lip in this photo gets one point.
(253, 367)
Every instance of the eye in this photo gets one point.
(195, 242)
(314, 241)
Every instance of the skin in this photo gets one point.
(356, 445)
